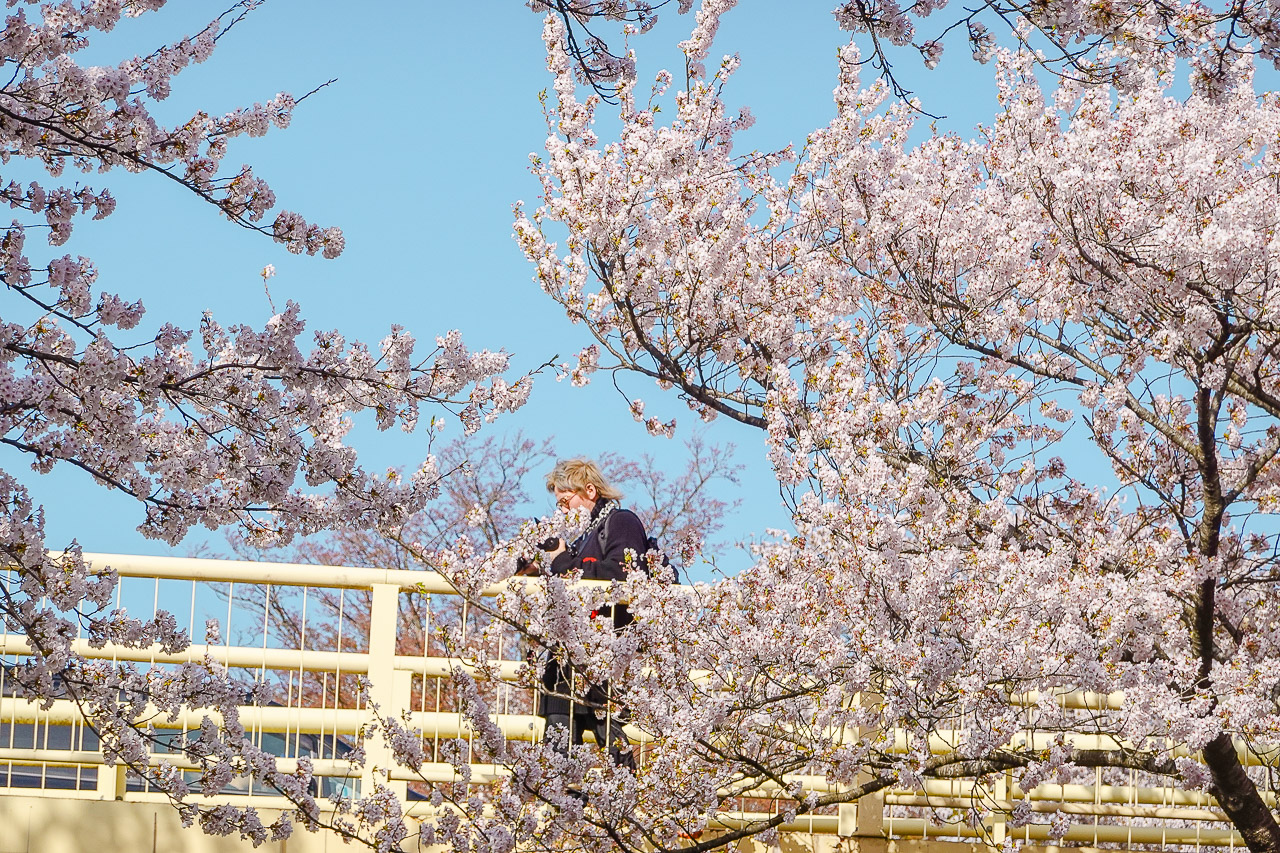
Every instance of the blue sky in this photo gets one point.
(418, 151)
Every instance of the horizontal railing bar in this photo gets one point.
(969, 790)
(440, 771)
(942, 742)
(278, 719)
(1122, 794)
(60, 793)
(437, 771)
(250, 657)
(284, 720)
(1046, 807)
(1109, 833)
(93, 759)
(287, 574)
(1052, 792)
(258, 800)
(262, 573)
(1078, 700)
(815, 824)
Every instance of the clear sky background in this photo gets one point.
(417, 152)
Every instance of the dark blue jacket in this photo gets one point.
(607, 563)
(610, 562)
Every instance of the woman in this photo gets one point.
(612, 544)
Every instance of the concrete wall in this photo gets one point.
(51, 825)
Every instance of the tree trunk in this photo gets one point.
(1239, 797)
(1233, 788)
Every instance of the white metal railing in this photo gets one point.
(354, 634)
(310, 630)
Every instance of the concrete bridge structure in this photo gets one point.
(310, 631)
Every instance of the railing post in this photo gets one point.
(112, 781)
(387, 691)
(863, 820)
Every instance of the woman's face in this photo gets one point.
(568, 499)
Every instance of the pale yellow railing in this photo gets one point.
(342, 622)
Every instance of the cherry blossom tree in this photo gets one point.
(1023, 392)
(1020, 391)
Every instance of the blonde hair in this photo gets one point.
(575, 475)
